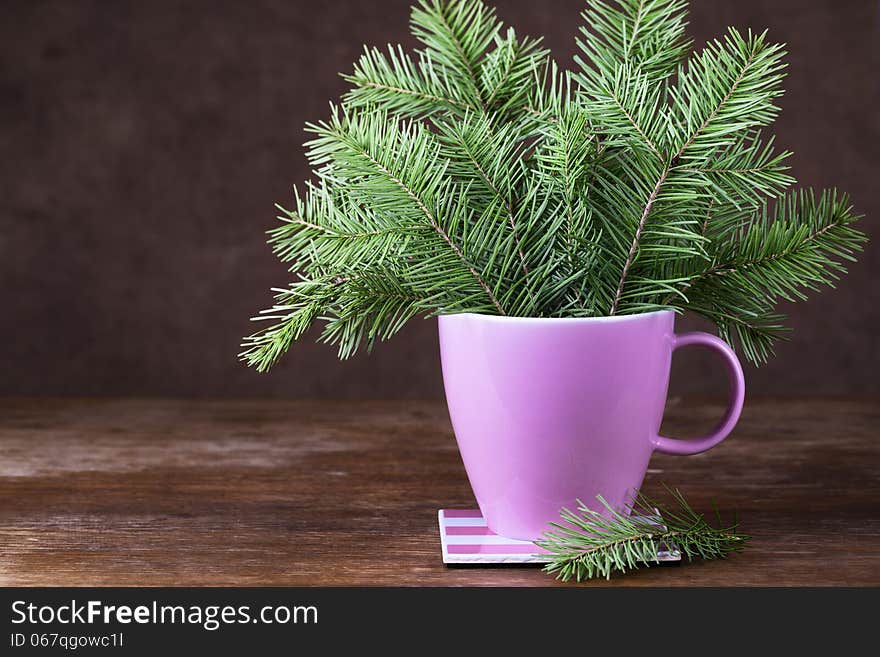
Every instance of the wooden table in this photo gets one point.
(150, 492)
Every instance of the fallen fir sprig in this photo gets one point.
(596, 543)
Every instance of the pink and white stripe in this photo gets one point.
(465, 538)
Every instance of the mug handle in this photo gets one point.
(734, 404)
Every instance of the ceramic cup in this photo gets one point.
(548, 411)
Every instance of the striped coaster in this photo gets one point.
(465, 538)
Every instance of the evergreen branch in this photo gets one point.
(549, 93)
(725, 90)
(457, 34)
(573, 164)
(630, 256)
(300, 221)
(508, 208)
(295, 310)
(374, 305)
(798, 247)
(646, 34)
(634, 32)
(663, 225)
(466, 61)
(371, 149)
(322, 232)
(476, 147)
(743, 320)
(745, 173)
(507, 67)
(629, 117)
(398, 84)
(595, 542)
(437, 227)
(475, 176)
(432, 98)
(507, 73)
(566, 160)
(757, 72)
(717, 108)
(628, 107)
(793, 249)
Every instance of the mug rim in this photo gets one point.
(551, 320)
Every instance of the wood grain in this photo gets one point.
(249, 492)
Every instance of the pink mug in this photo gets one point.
(548, 411)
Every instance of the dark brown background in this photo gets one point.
(143, 144)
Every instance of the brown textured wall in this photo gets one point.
(144, 144)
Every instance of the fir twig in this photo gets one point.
(598, 541)
(631, 254)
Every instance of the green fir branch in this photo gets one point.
(799, 246)
(647, 34)
(474, 175)
(598, 541)
(398, 84)
(395, 168)
(456, 35)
